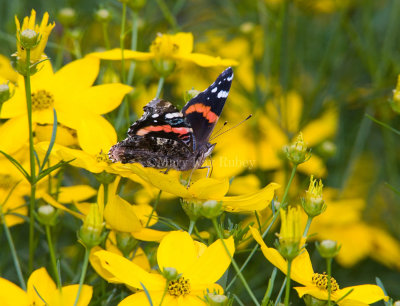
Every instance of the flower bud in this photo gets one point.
(327, 149)
(67, 16)
(314, 204)
(214, 299)
(298, 152)
(103, 15)
(309, 300)
(125, 243)
(192, 208)
(328, 248)
(91, 232)
(170, 274)
(104, 177)
(190, 94)
(5, 93)
(136, 5)
(247, 27)
(47, 215)
(29, 39)
(397, 303)
(211, 209)
(164, 66)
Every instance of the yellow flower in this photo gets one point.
(78, 104)
(314, 284)
(43, 30)
(203, 189)
(7, 73)
(177, 47)
(42, 291)
(197, 268)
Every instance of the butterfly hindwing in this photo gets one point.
(203, 111)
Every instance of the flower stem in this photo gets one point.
(287, 293)
(83, 274)
(13, 251)
(121, 41)
(53, 256)
(154, 208)
(134, 38)
(214, 221)
(289, 184)
(104, 26)
(160, 86)
(32, 181)
(167, 14)
(329, 270)
(191, 226)
(309, 220)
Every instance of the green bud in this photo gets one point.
(164, 67)
(328, 248)
(136, 5)
(297, 152)
(5, 93)
(312, 301)
(214, 299)
(29, 39)
(397, 303)
(247, 27)
(327, 149)
(170, 274)
(105, 178)
(67, 16)
(20, 66)
(125, 243)
(190, 94)
(47, 215)
(91, 232)
(211, 209)
(103, 15)
(313, 204)
(192, 209)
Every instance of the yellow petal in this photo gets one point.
(76, 193)
(209, 189)
(12, 295)
(176, 250)
(314, 166)
(251, 202)
(321, 128)
(96, 265)
(69, 294)
(115, 54)
(14, 134)
(76, 76)
(148, 234)
(120, 216)
(6, 70)
(102, 99)
(204, 60)
(104, 131)
(364, 293)
(212, 264)
(55, 204)
(140, 298)
(129, 273)
(40, 283)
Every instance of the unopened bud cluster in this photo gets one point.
(313, 203)
(328, 248)
(297, 152)
(91, 232)
(214, 299)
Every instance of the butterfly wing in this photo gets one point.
(203, 111)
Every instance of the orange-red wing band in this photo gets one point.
(204, 110)
(164, 128)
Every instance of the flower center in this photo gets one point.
(179, 287)
(103, 157)
(164, 46)
(321, 281)
(41, 100)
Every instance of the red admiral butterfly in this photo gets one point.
(167, 138)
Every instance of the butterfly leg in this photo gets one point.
(190, 178)
(166, 171)
(209, 168)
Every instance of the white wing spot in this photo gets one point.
(155, 115)
(222, 94)
(214, 89)
(230, 78)
(173, 115)
(219, 82)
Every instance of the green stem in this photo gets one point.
(278, 298)
(160, 86)
(121, 41)
(134, 38)
(309, 220)
(191, 226)
(53, 256)
(214, 221)
(154, 208)
(60, 52)
(329, 270)
(28, 93)
(167, 14)
(288, 184)
(13, 251)
(83, 274)
(287, 293)
(107, 44)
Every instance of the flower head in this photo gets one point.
(314, 204)
(188, 270)
(38, 33)
(315, 284)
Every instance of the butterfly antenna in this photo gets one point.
(225, 123)
(236, 125)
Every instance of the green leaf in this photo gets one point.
(52, 141)
(383, 124)
(47, 171)
(17, 165)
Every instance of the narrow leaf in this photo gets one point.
(52, 140)
(47, 171)
(17, 165)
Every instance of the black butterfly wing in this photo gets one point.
(203, 111)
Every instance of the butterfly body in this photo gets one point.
(165, 137)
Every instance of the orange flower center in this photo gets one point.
(321, 281)
(179, 287)
(42, 100)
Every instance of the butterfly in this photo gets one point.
(165, 137)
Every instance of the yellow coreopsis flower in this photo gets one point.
(315, 284)
(7, 73)
(176, 47)
(188, 270)
(69, 91)
(42, 291)
(43, 31)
